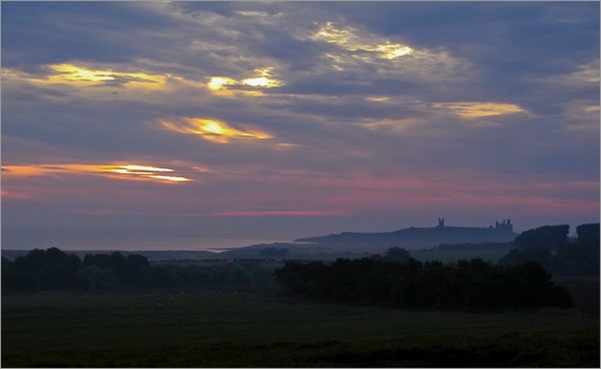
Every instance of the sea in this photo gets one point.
(178, 244)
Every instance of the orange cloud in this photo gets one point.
(211, 130)
(14, 195)
(117, 171)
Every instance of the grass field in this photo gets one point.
(227, 329)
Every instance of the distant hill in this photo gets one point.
(152, 255)
(347, 244)
(418, 238)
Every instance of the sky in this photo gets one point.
(138, 125)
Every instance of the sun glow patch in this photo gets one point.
(260, 82)
(480, 109)
(169, 178)
(211, 130)
(218, 83)
(78, 75)
(377, 99)
(226, 85)
(147, 171)
(391, 51)
(117, 171)
(350, 40)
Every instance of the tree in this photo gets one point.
(548, 237)
(586, 231)
(94, 278)
(135, 261)
(50, 269)
(397, 254)
(539, 255)
(13, 279)
(475, 284)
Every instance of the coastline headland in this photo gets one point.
(419, 238)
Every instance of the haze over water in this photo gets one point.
(213, 245)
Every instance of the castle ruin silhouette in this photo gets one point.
(505, 226)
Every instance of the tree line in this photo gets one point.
(473, 284)
(53, 269)
(549, 247)
(520, 279)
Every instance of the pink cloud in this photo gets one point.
(100, 212)
(215, 214)
(317, 213)
(15, 195)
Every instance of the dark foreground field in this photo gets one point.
(227, 329)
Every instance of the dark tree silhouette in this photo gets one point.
(397, 254)
(579, 258)
(471, 284)
(50, 269)
(587, 231)
(548, 237)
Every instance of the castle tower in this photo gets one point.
(505, 226)
(440, 223)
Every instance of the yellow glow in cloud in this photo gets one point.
(118, 171)
(287, 145)
(81, 76)
(391, 51)
(390, 125)
(480, 109)
(377, 99)
(260, 82)
(143, 168)
(144, 172)
(217, 83)
(221, 84)
(69, 72)
(348, 39)
(169, 178)
(211, 130)
(252, 13)
(331, 34)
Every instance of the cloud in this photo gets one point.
(226, 86)
(347, 39)
(211, 130)
(9, 195)
(582, 117)
(584, 76)
(379, 111)
(117, 171)
(263, 213)
(99, 82)
(480, 109)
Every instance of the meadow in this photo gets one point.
(263, 329)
